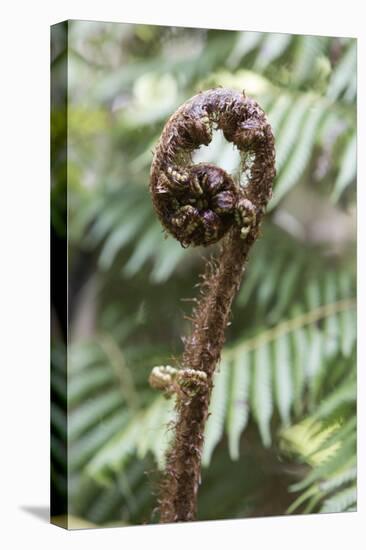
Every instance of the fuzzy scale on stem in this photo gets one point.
(201, 205)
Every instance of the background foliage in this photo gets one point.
(281, 437)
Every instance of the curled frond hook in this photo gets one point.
(198, 204)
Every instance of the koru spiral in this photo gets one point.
(198, 204)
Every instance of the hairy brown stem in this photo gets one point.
(201, 204)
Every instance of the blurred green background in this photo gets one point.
(281, 437)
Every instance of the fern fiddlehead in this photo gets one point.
(201, 205)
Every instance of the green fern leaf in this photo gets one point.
(155, 423)
(343, 72)
(93, 411)
(83, 356)
(238, 403)
(252, 276)
(113, 456)
(267, 288)
(84, 448)
(351, 92)
(299, 158)
(124, 233)
(300, 347)
(164, 435)
(308, 49)
(348, 168)
(58, 451)
(283, 385)
(310, 492)
(59, 420)
(288, 135)
(337, 437)
(245, 43)
(286, 287)
(336, 481)
(340, 501)
(169, 255)
(261, 393)
(331, 327)
(144, 250)
(81, 386)
(345, 394)
(348, 331)
(279, 111)
(348, 328)
(113, 212)
(273, 46)
(152, 423)
(315, 353)
(215, 423)
(341, 458)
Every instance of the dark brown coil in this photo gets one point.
(198, 204)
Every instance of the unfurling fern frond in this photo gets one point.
(344, 73)
(328, 443)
